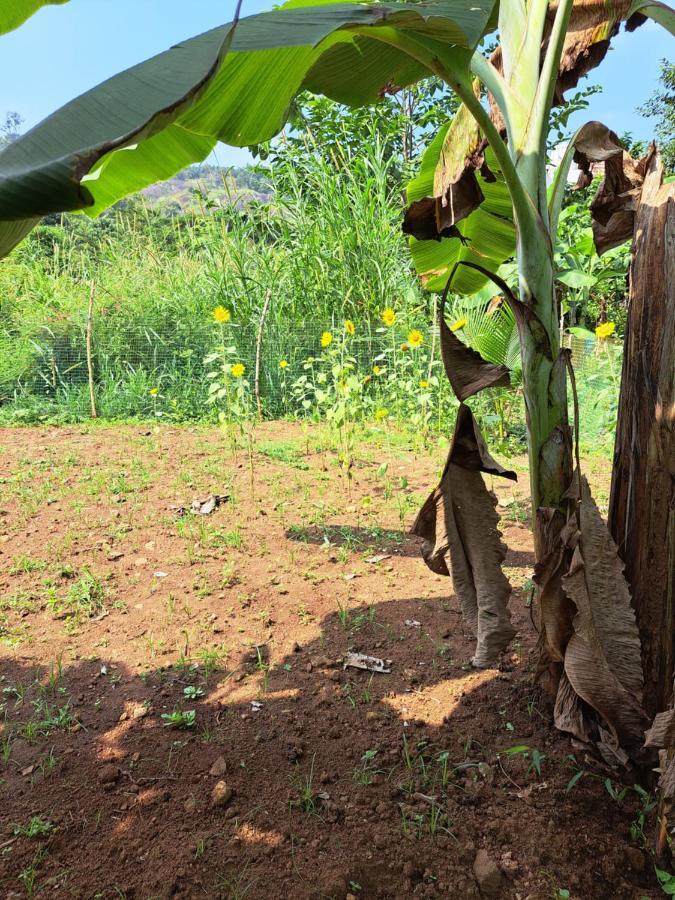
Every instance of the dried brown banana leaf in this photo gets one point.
(458, 525)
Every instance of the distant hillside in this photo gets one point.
(200, 188)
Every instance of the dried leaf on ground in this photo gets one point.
(602, 658)
(458, 525)
(201, 507)
(370, 663)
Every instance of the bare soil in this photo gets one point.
(295, 777)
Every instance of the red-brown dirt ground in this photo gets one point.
(295, 777)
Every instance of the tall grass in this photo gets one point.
(327, 247)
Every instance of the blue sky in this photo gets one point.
(64, 50)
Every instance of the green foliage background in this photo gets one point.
(316, 227)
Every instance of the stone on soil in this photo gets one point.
(487, 874)
(221, 794)
(108, 773)
(219, 767)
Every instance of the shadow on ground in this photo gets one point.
(337, 781)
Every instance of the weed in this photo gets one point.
(344, 616)
(179, 718)
(233, 539)
(443, 770)
(637, 826)
(192, 692)
(306, 800)
(236, 887)
(666, 881)
(36, 827)
(26, 564)
(304, 616)
(263, 667)
(28, 876)
(6, 745)
(210, 660)
(364, 773)
(48, 763)
(85, 597)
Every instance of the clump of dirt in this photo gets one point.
(177, 718)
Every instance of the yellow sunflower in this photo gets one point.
(349, 326)
(377, 370)
(220, 314)
(388, 316)
(283, 364)
(326, 339)
(458, 325)
(424, 383)
(381, 414)
(604, 330)
(238, 370)
(415, 338)
(153, 392)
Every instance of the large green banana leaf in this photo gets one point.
(487, 236)
(15, 12)
(234, 84)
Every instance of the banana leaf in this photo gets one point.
(15, 12)
(234, 84)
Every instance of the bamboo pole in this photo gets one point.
(258, 350)
(90, 366)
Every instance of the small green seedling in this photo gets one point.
(192, 692)
(666, 881)
(363, 774)
(179, 718)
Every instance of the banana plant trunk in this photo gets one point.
(642, 499)
(544, 387)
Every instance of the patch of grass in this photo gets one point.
(236, 887)
(28, 876)
(35, 827)
(20, 601)
(303, 784)
(25, 564)
(283, 451)
(85, 597)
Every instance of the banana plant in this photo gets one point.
(480, 197)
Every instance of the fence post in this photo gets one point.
(90, 367)
(258, 350)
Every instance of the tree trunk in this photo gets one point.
(642, 500)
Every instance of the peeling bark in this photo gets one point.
(642, 502)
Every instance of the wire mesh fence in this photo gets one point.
(141, 368)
